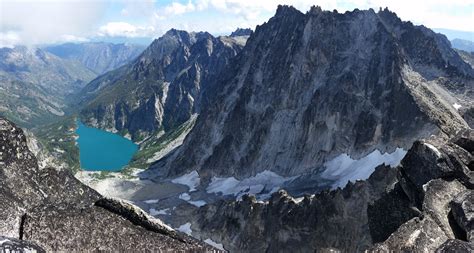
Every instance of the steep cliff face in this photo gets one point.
(49, 209)
(162, 88)
(425, 204)
(309, 87)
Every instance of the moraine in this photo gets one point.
(103, 151)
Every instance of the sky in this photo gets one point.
(30, 22)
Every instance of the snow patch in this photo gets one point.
(155, 212)
(4, 241)
(185, 196)
(456, 106)
(298, 200)
(252, 185)
(191, 180)
(197, 203)
(185, 228)
(151, 201)
(434, 149)
(343, 168)
(214, 244)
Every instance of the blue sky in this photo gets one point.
(33, 22)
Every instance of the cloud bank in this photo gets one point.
(39, 22)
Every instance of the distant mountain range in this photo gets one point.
(99, 57)
(35, 83)
(465, 45)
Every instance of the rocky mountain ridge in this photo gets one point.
(309, 87)
(162, 88)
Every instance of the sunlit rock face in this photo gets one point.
(309, 87)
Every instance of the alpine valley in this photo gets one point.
(316, 132)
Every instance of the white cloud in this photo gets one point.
(176, 8)
(72, 38)
(36, 22)
(9, 39)
(133, 8)
(46, 21)
(452, 14)
(123, 29)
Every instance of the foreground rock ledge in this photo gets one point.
(436, 177)
(50, 210)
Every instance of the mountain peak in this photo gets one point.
(331, 75)
(241, 32)
(284, 10)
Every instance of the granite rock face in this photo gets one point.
(162, 88)
(309, 87)
(14, 245)
(463, 212)
(436, 177)
(53, 210)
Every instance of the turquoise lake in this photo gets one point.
(103, 151)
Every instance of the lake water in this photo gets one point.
(101, 150)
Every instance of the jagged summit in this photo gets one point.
(241, 32)
(309, 87)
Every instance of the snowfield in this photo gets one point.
(185, 228)
(214, 244)
(343, 168)
(261, 185)
(191, 180)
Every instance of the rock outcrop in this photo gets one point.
(241, 32)
(51, 210)
(436, 177)
(162, 88)
(309, 87)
